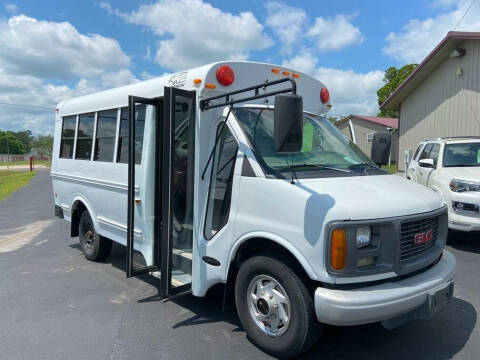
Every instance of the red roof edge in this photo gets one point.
(388, 122)
(450, 35)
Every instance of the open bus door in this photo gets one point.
(169, 219)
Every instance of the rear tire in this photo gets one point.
(94, 246)
(258, 307)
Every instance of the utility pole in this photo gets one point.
(8, 150)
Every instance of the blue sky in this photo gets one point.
(52, 50)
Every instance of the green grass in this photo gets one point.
(26, 163)
(11, 181)
(390, 168)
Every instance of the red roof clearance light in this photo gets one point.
(225, 75)
(324, 95)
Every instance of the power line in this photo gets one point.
(465, 13)
(27, 106)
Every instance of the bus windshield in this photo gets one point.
(324, 146)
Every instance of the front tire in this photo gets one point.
(94, 246)
(275, 307)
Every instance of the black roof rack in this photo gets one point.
(206, 103)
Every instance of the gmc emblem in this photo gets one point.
(422, 238)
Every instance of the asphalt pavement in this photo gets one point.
(54, 304)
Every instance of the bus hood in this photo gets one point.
(374, 197)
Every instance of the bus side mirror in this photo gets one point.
(288, 123)
(381, 144)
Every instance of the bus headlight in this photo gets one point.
(364, 236)
(464, 185)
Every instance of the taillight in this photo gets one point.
(338, 249)
(324, 95)
(225, 75)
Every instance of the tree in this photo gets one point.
(25, 137)
(10, 144)
(393, 77)
(333, 119)
(43, 144)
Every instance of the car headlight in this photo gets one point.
(364, 236)
(464, 185)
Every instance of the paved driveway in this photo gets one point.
(54, 304)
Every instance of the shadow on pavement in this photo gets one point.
(438, 338)
(464, 241)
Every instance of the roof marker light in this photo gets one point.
(324, 95)
(225, 75)
(286, 73)
(210, 86)
(275, 70)
(295, 75)
(197, 81)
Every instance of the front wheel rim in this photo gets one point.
(269, 305)
(89, 237)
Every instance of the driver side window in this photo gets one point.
(221, 181)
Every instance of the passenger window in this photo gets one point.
(434, 153)
(86, 123)
(417, 151)
(105, 136)
(68, 137)
(426, 151)
(122, 156)
(220, 191)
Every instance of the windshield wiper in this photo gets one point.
(323, 167)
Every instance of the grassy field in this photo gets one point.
(26, 163)
(390, 168)
(11, 181)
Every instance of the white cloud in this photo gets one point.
(351, 92)
(194, 33)
(418, 37)
(35, 54)
(335, 33)
(287, 23)
(11, 8)
(56, 50)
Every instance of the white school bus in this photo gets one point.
(230, 173)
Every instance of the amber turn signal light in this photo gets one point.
(338, 250)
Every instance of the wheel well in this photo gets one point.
(78, 208)
(262, 246)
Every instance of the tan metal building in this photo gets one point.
(441, 97)
(360, 130)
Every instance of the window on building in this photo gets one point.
(122, 153)
(369, 138)
(105, 135)
(68, 137)
(86, 123)
(220, 191)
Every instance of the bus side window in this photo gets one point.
(86, 123)
(68, 137)
(105, 135)
(220, 191)
(122, 152)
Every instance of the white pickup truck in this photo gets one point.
(451, 167)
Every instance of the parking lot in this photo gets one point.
(57, 305)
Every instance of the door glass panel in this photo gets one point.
(220, 191)
(182, 189)
(141, 245)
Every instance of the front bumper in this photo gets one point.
(463, 222)
(383, 301)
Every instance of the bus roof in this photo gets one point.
(246, 75)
